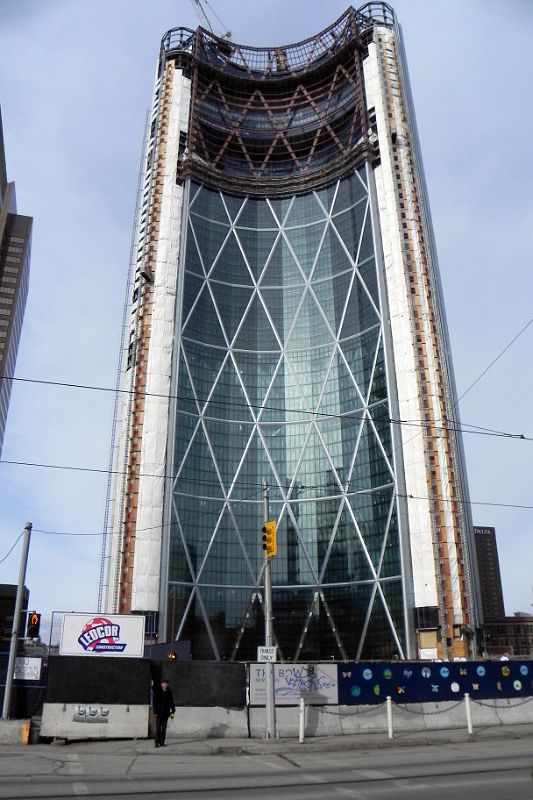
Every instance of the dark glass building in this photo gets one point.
(287, 331)
(15, 242)
(490, 579)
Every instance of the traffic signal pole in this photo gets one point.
(16, 620)
(269, 666)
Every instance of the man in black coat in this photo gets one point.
(163, 705)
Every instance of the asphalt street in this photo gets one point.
(493, 764)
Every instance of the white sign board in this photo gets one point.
(102, 635)
(316, 683)
(266, 654)
(27, 669)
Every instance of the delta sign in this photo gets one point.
(102, 635)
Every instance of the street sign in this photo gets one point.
(266, 655)
(27, 669)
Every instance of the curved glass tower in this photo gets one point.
(286, 324)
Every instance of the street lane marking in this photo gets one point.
(314, 778)
(75, 768)
(411, 784)
(373, 774)
(345, 792)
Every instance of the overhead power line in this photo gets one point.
(500, 354)
(235, 501)
(355, 414)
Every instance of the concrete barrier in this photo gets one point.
(94, 721)
(344, 720)
(209, 723)
(14, 731)
(106, 722)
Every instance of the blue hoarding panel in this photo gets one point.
(422, 681)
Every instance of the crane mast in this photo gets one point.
(198, 7)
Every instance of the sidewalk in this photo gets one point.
(357, 742)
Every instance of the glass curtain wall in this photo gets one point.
(281, 378)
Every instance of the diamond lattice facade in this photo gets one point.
(287, 339)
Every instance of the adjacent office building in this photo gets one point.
(15, 242)
(286, 356)
(490, 579)
(502, 636)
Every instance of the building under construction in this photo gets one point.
(285, 329)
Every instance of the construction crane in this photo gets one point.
(198, 7)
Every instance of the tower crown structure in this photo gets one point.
(286, 321)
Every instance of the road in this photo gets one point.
(497, 770)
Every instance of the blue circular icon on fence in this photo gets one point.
(481, 671)
(367, 674)
(356, 691)
(426, 672)
(444, 672)
(523, 669)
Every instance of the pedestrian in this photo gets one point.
(163, 705)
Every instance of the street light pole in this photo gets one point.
(269, 666)
(16, 620)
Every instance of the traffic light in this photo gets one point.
(269, 538)
(33, 625)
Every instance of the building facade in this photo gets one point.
(490, 579)
(286, 345)
(15, 245)
(510, 637)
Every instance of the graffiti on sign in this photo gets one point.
(316, 683)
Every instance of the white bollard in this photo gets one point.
(302, 720)
(389, 716)
(468, 713)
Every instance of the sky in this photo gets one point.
(76, 80)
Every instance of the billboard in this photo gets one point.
(102, 635)
(316, 683)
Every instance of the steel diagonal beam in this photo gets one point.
(305, 628)
(235, 127)
(208, 625)
(329, 617)
(364, 629)
(183, 538)
(342, 504)
(392, 506)
(185, 613)
(247, 561)
(280, 135)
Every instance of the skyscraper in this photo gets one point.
(490, 578)
(287, 331)
(15, 244)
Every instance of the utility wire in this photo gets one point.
(214, 498)
(185, 521)
(479, 430)
(520, 332)
(12, 548)
(357, 414)
(289, 500)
